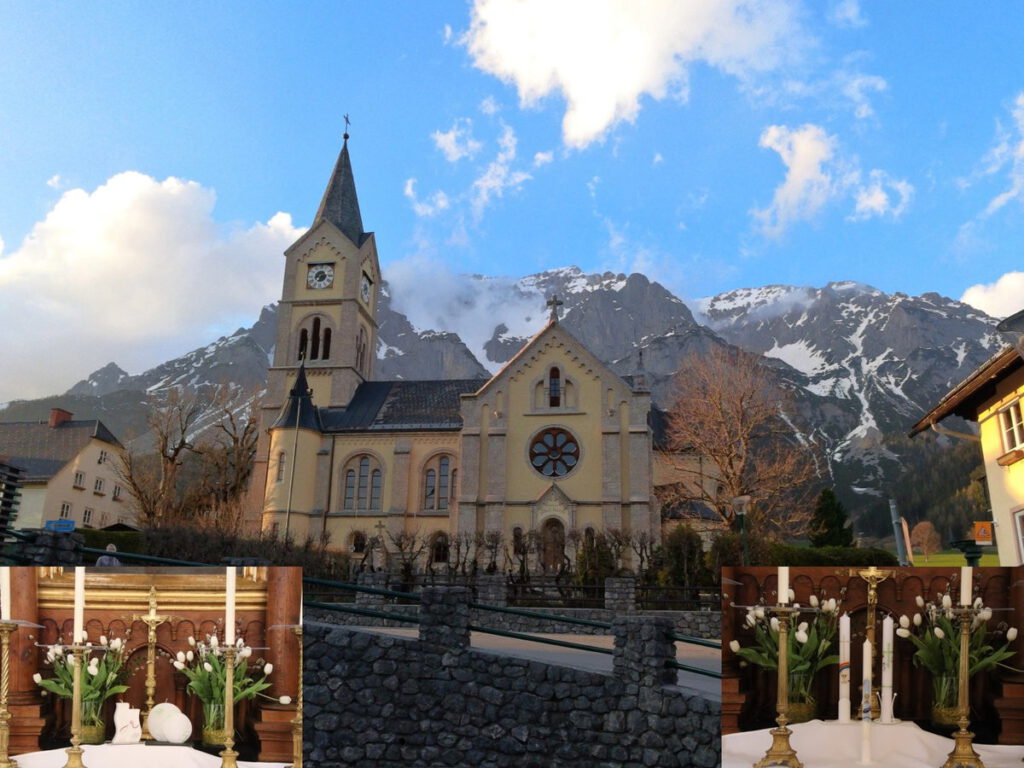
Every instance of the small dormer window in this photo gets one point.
(555, 388)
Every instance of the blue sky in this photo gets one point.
(156, 160)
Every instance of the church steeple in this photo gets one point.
(339, 205)
(299, 410)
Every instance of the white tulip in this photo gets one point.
(903, 632)
(181, 657)
(832, 604)
(947, 602)
(189, 656)
(288, 699)
(1011, 634)
(792, 595)
(751, 621)
(802, 626)
(939, 633)
(246, 652)
(795, 605)
(192, 641)
(268, 668)
(904, 621)
(801, 636)
(213, 641)
(986, 614)
(178, 665)
(759, 612)
(920, 601)
(207, 667)
(93, 671)
(977, 603)
(39, 678)
(775, 624)
(734, 645)
(814, 601)
(116, 644)
(917, 619)
(103, 639)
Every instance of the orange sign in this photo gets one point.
(983, 532)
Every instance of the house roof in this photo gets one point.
(401, 405)
(966, 398)
(339, 205)
(690, 510)
(41, 450)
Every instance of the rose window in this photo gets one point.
(554, 452)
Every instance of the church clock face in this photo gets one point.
(364, 288)
(320, 276)
(554, 452)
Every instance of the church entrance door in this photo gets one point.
(553, 539)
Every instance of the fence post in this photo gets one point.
(444, 619)
(643, 647)
(620, 594)
(376, 579)
(492, 589)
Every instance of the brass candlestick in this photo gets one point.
(963, 754)
(6, 627)
(297, 721)
(228, 756)
(780, 752)
(75, 751)
(152, 620)
(873, 576)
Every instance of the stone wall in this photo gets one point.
(378, 700)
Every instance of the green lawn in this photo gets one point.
(953, 557)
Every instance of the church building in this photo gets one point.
(553, 443)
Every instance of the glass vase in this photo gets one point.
(945, 699)
(802, 705)
(94, 730)
(214, 734)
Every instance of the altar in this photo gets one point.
(216, 652)
(831, 745)
(133, 755)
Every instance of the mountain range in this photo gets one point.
(862, 363)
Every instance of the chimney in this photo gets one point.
(58, 416)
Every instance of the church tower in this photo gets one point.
(327, 315)
(326, 318)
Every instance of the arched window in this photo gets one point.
(280, 466)
(361, 351)
(439, 548)
(555, 388)
(518, 541)
(363, 484)
(326, 350)
(439, 483)
(314, 352)
(315, 340)
(358, 542)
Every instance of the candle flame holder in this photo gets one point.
(74, 752)
(963, 754)
(781, 751)
(6, 628)
(228, 756)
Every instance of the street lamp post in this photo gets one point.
(740, 505)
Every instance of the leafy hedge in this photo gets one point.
(728, 550)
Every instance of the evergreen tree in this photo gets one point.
(828, 525)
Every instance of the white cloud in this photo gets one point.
(446, 33)
(593, 184)
(807, 154)
(882, 196)
(846, 13)
(433, 205)
(999, 299)
(457, 142)
(542, 158)
(1008, 154)
(856, 87)
(602, 56)
(489, 106)
(499, 175)
(658, 159)
(54, 182)
(135, 271)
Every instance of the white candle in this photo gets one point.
(79, 621)
(865, 707)
(783, 585)
(887, 649)
(966, 585)
(229, 610)
(5, 593)
(300, 608)
(844, 668)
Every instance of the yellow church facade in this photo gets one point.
(553, 443)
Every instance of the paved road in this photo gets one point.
(696, 656)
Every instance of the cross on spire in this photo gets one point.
(554, 302)
(347, 124)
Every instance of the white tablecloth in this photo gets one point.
(132, 756)
(831, 745)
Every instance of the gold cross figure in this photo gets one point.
(554, 302)
(873, 576)
(152, 620)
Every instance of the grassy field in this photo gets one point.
(952, 557)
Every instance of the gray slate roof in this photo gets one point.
(402, 405)
(339, 205)
(298, 408)
(41, 451)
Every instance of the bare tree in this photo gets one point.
(925, 539)
(408, 546)
(229, 447)
(490, 543)
(730, 411)
(643, 545)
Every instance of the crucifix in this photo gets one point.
(152, 620)
(347, 124)
(554, 302)
(873, 576)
